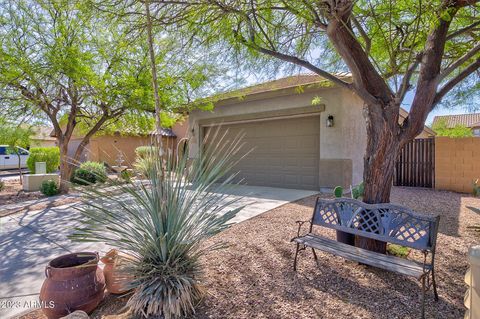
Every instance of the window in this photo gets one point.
(22, 151)
(3, 150)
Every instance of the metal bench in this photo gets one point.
(384, 222)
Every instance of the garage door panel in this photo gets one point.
(285, 153)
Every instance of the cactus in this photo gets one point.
(358, 191)
(338, 191)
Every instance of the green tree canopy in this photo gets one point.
(65, 62)
(459, 130)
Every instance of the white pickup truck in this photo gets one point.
(9, 159)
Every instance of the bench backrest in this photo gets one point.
(385, 222)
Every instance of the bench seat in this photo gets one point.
(391, 263)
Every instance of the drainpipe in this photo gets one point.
(472, 279)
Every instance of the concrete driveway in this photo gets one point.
(28, 241)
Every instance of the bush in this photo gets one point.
(144, 166)
(90, 173)
(2, 185)
(145, 151)
(50, 155)
(145, 160)
(126, 176)
(49, 188)
(476, 188)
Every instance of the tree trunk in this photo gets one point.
(379, 162)
(78, 153)
(20, 168)
(65, 168)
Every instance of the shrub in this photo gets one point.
(144, 166)
(145, 160)
(90, 173)
(2, 185)
(145, 151)
(50, 155)
(476, 188)
(163, 226)
(397, 250)
(49, 188)
(126, 175)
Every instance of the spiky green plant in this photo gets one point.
(338, 191)
(161, 224)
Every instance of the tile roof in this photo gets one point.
(167, 132)
(468, 120)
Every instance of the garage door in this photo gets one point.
(285, 152)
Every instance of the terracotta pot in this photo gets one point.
(74, 282)
(115, 280)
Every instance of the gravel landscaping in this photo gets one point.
(253, 277)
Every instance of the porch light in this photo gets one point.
(330, 121)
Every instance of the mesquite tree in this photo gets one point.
(87, 72)
(392, 48)
(70, 67)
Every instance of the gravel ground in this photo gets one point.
(13, 193)
(253, 277)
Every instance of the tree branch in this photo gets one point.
(405, 86)
(472, 67)
(452, 67)
(366, 38)
(463, 30)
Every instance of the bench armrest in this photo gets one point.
(300, 224)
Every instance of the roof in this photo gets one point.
(166, 132)
(468, 120)
(311, 80)
(294, 81)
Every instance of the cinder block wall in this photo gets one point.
(457, 163)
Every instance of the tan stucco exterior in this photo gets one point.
(341, 147)
(107, 148)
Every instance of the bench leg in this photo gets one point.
(423, 296)
(315, 256)
(295, 260)
(434, 283)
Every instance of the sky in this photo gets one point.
(439, 110)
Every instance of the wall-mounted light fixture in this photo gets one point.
(330, 121)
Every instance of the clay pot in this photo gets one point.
(115, 280)
(74, 282)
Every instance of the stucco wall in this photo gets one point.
(457, 163)
(107, 148)
(345, 141)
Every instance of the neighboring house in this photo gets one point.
(112, 147)
(471, 121)
(42, 137)
(295, 143)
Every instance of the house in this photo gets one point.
(471, 120)
(114, 147)
(303, 131)
(42, 137)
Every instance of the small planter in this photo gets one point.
(115, 279)
(74, 282)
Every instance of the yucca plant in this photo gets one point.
(161, 223)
